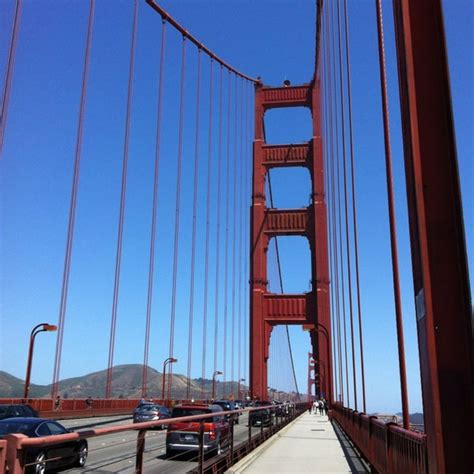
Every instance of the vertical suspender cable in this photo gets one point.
(248, 165)
(177, 212)
(218, 224)
(333, 207)
(151, 263)
(226, 258)
(193, 237)
(325, 71)
(75, 182)
(346, 205)
(243, 125)
(339, 204)
(9, 71)
(280, 281)
(234, 228)
(207, 239)
(392, 219)
(354, 207)
(123, 194)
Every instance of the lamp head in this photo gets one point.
(49, 327)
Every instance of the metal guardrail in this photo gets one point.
(388, 447)
(17, 444)
(78, 408)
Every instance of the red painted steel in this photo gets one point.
(3, 455)
(283, 155)
(392, 218)
(388, 447)
(441, 281)
(311, 308)
(311, 377)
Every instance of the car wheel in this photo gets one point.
(163, 427)
(40, 463)
(82, 456)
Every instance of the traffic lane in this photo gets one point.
(77, 424)
(116, 452)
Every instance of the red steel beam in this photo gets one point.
(441, 282)
(311, 309)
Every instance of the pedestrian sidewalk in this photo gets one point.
(309, 444)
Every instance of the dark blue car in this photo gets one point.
(40, 459)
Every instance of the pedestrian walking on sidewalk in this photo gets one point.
(321, 407)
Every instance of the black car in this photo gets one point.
(227, 405)
(13, 411)
(261, 417)
(69, 453)
(151, 412)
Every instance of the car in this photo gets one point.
(17, 410)
(68, 453)
(229, 406)
(184, 436)
(262, 417)
(151, 412)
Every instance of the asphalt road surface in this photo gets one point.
(116, 452)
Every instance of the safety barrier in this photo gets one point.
(388, 447)
(18, 444)
(78, 408)
(3, 455)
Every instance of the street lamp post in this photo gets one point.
(37, 329)
(238, 391)
(169, 360)
(217, 372)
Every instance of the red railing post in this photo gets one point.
(14, 455)
(140, 449)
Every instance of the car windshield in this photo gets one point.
(150, 408)
(7, 427)
(225, 405)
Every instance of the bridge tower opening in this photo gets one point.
(309, 309)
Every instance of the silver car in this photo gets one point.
(151, 412)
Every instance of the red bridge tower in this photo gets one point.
(311, 310)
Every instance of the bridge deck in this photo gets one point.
(309, 444)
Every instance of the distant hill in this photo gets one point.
(126, 383)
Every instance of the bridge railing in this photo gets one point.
(78, 408)
(388, 447)
(16, 445)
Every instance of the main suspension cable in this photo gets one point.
(10, 67)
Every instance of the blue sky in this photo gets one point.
(271, 39)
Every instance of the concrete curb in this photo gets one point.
(250, 458)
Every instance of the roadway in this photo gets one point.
(116, 452)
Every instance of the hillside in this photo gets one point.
(126, 383)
